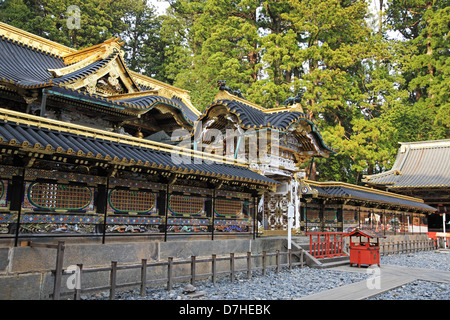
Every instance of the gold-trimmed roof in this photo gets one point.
(40, 122)
(361, 188)
(78, 60)
(349, 191)
(59, 140)
(34, 41)
(225, 95)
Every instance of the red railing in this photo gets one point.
(326, 244)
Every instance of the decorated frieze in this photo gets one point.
(32, 174)
(113, 182)
(233, 194)
(9, 171)
(190, 190)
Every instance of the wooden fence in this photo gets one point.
(408, 246)
(386, 248)
(169, 279)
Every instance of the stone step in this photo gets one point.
(334, 262)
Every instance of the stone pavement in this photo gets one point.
(389, 277)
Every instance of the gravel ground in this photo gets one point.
(295, 283)
(424, 259)
(285, 285)
(419, 290)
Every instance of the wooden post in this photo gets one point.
(103, 192)
(143, 276)
(249, 265)
(169, 273)
(112, 282)
(278, 261)
(166, 213)
(231, 267)
(264, 263)
(58, 270)
(290, 259)
(193, 270)
(302, 257)
(212, 218)
(78, 289)
(214, 267)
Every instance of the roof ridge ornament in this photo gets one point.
(101, 51)
(222, 86)
(294, 102)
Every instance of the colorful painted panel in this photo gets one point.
(59, 223)
(232, 225)
(134, 220)
(9, 172)
(228, 208)
(132, 201)
(188, 222)
(3, 193)
(5, 221)
(61, 218)
(187, 225)
(58, 196)
(186, 205)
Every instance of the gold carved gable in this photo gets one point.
(110, 79)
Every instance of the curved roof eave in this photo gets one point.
(266, 124)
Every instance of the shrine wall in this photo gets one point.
(25, 272)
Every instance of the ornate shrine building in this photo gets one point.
(337, 206)
(422, 170)
(90, 148)
(87, 149)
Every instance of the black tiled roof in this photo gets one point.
(27, 67)
(104, 149)
(84, 72)
(370, 195)
(252, 117)
(148, 102)
(144, 103)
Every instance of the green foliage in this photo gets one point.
(365, 90)
(424, 59)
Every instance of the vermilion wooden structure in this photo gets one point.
(326, 244)
(364, 253)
